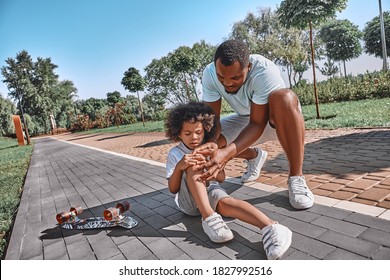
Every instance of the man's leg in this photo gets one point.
(286, 116)
(254, 157)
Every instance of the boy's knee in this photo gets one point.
(224, 204)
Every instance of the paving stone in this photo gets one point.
(369, 221)
(134, 250)
(197, 249)
(162, 248)
(329, 211)
(346, 242)
(310, 246)
(157, 221)
(303, 228)
(376, 236)
(102, 245)
(298, 255)
(382, 254)
(80, 250)
(339, 226)
(340, 254)
(375, 194)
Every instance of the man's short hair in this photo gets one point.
(231, 51)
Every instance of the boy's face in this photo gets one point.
(192, 134)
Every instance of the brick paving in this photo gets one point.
(63, 175)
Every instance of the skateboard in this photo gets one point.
(112, 217)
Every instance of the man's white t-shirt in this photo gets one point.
(263, 78)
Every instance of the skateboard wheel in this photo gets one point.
(63, 217)
(76, 210)
(66, 216)
(111, 213)
(123, 206)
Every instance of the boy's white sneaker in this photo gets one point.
(299, 194)
(276, 240)
(254, 166)
(216, 229)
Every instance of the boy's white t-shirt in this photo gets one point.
(174, 156)
(263, 78)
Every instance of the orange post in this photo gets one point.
(18, 129)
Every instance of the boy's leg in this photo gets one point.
(244, 211)
(199, 192)
(276, 237)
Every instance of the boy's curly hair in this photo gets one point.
(190, 112)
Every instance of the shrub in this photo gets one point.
(364, 86)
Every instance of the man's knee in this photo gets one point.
(283, 97)
(283, 100)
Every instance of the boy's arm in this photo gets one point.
(175, 179)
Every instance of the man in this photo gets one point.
(265, 110)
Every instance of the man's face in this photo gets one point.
(232, 77)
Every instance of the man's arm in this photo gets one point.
(216, 106)
(257, 123)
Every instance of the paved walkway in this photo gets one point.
(63, 175)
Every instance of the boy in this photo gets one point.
(192, 125)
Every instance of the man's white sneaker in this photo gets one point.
(299, 194)
(254, 166)
(276, 240)
(216, 229)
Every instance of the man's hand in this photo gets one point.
(216, 163)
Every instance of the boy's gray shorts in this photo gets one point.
(231, 127)
(186, 203)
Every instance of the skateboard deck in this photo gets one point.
(112, 218)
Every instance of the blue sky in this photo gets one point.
(94, 42)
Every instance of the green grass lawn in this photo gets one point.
(364, 113)
(14, 161)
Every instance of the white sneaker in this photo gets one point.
(276, 240)
(299, 194)
(216, 229)
(254, 166)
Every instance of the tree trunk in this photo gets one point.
(140, 108)
(314, 70)
(345, 69)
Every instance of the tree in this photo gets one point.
(329, 69)
(178, 75)
(342, 40)
(266, 36)
(155, 103)
(301, 13)
(7, 109)
(134, 82)
(372, 36)
(113, 98)
(36, 89)
(18, 76)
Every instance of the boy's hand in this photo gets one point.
(193, 160)
(217, 162)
